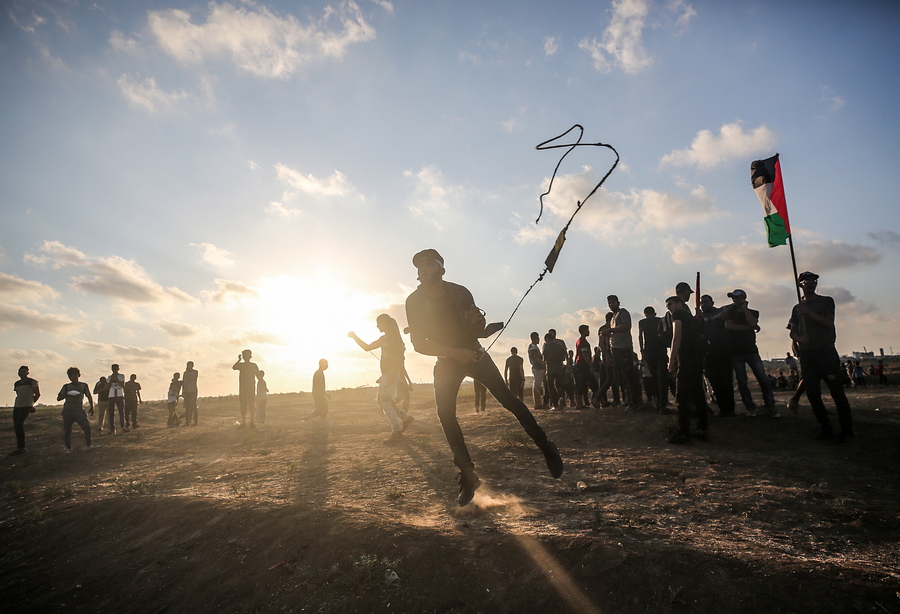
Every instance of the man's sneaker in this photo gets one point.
(406, 422)
(554, 460)
(468, 483)
(17, 451)
(679, 439)
(93, 446)
(794, 406)
(751, 412)
(772, 412)
(126, 429)
(135, 425)
(395, 437)
(700, 434)
(824, 434)
(844, 438)
(68, 450)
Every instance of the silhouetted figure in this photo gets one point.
(879, 372)
(585, 383)
(189, 393)
(514, 373)
(444, 322)
(101, 389)
(262, 396)
(132, 400)
(320, 397)
(812, 327)
(742, 323)
(247, 386)
(27, 394)
(554, 352)
(480, 397)
(686, 362)
(623, 350)
(791, 363)
(859, 377)
(653, 353)
(116, 399)
(72, 394)
(717, 363)
(172, 400)
(392, 369)
(538, 372)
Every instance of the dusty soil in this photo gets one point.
(310, 517)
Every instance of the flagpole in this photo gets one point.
(794, 264)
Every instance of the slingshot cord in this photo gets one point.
(551, 144)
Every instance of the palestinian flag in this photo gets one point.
(766, 178)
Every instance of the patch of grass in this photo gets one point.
(58, 491)
(238, 489)
(312, 576)
(368, 571)
(37, 513)
(394, 495)
(17, 488)
(292, 470)
(514, 438)
(818, 489)
(843, 508)
(135, 487)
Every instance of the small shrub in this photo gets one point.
(368, 572)
(17, 488)
(514, 438)
(58, 491)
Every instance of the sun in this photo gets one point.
(311, 315)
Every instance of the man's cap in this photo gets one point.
(683, 285)
(737, 292)
(807, 276)
(427, 254)
(612, 297)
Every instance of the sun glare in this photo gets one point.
(311, 316)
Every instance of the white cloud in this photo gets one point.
(176, 329)
(256, 39)
(550, 45)
(228, 290)
(114, 277)
(708, 150)
(122, 44)
(888, 238)
(147, 94)
(514, 123)
(12, 358)
(385, 4)
(832, 101)
(618, 216)
(18, 289)
(622, 43)
(114, 351)
(16, 316)
(432, 197)
(252, 336)
(758, 263)
(685, 12)
(214, 255)
(310, 186)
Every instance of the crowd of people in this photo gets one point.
(696, 357)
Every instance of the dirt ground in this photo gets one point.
(321, 517)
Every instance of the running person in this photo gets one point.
(444, 322)
(392, 370)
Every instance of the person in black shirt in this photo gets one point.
(27, 394)
(653, 353)
(444, 322)
(717, 364)
(812, 327)
(686, 362)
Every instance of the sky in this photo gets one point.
(181, 181)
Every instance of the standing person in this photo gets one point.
(116, 382)
(444, 322)
(27, 394)
(585, 384)
(717, 362)
(514, 373)
(247, 386)
(172, 400)
(812, 327)
(686, 362)
(189, 393)
(653, 352)
(132, 399)
(742, 323)
(262, 397)
(480, 397)
(538, 371)
(879, 371)
(320, 397)
(554, 353)
(101, 389)
(392, 367)
(73, 395)
(623, 350)
(791, 363)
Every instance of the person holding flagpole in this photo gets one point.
(812, 327)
